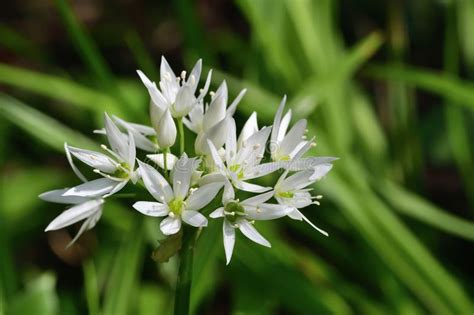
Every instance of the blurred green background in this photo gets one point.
(388, 86)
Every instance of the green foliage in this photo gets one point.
(387, 251)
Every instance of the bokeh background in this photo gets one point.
(385, 85)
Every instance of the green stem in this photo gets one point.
(181, 135)
(165, 160)
(185, 273)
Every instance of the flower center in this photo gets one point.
(176, 206)
(233, 211)
(235, 169)
(285, 194)
(123, 170)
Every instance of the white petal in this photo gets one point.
(73, 166)
(267, 211)
(202, 196)
(215, 177)
(117, 188)
(166, 133)
(155, 183)
(153, 209)
(313, 226)
(170, 226)
(155, 95)
(292, 138)
(168, 83)
(285, 122)
(185, 100)
(251, 233)
(217, 108)
(215, 156)
(218, 213)
(250, 127)
(217, 135)
(204, 90)
(75, 214)
(307, 163)
(229, 240)
(231, 142)
(232, 107)
(159, 159)
(88, 224)
(277, 121)
(194, 218)
(195, 75)
(258, 199)
(94, 188)
(182, 173)
(250, 187)
(94, 159)
(296, 215)
(296, 181)
(57, 197)
(142, 129)
(229, 193)
(262, 170)
(320, 171)
(156, 113)
(117, 140)
(253, 148)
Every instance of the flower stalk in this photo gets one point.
(181, 135)
(185, 272)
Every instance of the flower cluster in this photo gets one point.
(183, 187)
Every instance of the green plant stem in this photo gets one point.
(165, 160)
(181, 135)
(185, 273)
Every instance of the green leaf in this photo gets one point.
(38, 298)
(59, 88)
(460, 92)
(40, 126)
(416, 207)
(122, 283)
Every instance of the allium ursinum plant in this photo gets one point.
(183, 187)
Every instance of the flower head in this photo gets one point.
(242, 215)
(292, 191)
(178, 202)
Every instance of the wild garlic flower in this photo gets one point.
(88, 209)
(242, 215)
(143, 135)
(175, 98)
(210, 122)
(183, 188)
(242, 162)
(292, 191)
(118, 168)
(177, 203)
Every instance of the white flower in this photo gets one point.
(84, 208)
(177, 203)
(241, 215)
(292, 192)
(117, 169)
(211, 122)
(287, 148)
(242, 161)
(175, 98)
(140, 133)
(283, 145)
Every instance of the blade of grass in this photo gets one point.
(40, 126)
(122, 282)
(460, 92)
(58, 88)
(414, 206)
(91, 287)
(85, 45)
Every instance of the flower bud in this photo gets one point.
(166, 131)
